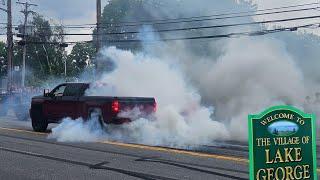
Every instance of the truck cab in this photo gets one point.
(70, 100)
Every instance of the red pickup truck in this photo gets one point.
(70, 100)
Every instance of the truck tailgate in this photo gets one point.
(144, 105)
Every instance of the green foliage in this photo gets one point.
(46, 61)
(80, 59)
(3, 59)
(120, 11)
(146, 11)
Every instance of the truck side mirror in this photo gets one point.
(46, 92)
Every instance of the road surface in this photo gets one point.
(25, 154)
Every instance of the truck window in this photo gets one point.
(72, 90)
(58, 92)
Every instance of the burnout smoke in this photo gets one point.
(205, 90)
(234, 85)
(180, 120)
(78, 130)
(247, 80)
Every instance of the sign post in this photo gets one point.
(282, 144)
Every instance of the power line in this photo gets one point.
(65, 27)
(196, 18)
(190, 28)
(219, 26)
(207, 18)
(199, 20)
(230, 35)
(217, 18)
(53, 26)
(218, 15)
(195, 28)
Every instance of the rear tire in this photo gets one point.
(39, 123)
(96, 115)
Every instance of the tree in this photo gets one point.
(275, 131)
(147, 11)
(80, 59)
(3, 59)
(118, 11)
(45, 58)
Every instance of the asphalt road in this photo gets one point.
(25, 154)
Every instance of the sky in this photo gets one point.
(59, 12)
(83, 12)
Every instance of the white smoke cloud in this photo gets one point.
(180, 120)
(252, 75)
(201, 97)
(244, 80)
(249, 75)
(77, 131)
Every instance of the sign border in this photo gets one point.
(252, 117)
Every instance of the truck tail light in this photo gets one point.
(155, 107)
(115, 106)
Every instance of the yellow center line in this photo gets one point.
(25, 131)
(176, 151)
(162, 149)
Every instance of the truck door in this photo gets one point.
(71, 100)
(54, 106)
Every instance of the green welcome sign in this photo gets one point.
(282, 144)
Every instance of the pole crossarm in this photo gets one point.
(3, 9)
(28, 4)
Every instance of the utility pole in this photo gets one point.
(99, 40)
(26, 13)
(98, 25)
(9, 43)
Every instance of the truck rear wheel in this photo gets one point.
(96, 115)
(39, 123)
